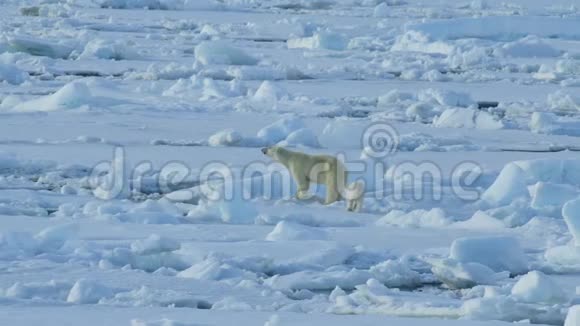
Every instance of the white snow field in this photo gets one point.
(133, 188)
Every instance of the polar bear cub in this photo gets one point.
(320, 169)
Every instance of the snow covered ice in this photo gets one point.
(134, 189)
(537, 287)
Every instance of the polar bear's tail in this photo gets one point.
(355, 196)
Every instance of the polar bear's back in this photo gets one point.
(317, 168)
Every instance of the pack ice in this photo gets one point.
(134, 189)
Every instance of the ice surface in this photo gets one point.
(549, 123)
(84, 292)
(40, 47)
(223, 53)
(280, 129)
(570, 211)
(160, 322)
(446, 98)
(538, 287)
(214, 269)
(291, 231)
(226, 137)
(564, 257)
(268, 92)
(301, 137)
(325, 280)
(467, 118)
(71, 96)
(500, 253)
(236, 211)
(573, 317)
(53, 238)
(157, 4)
(52, 289)
(105, 49)
(548, 195)
(457, 275)
(499, 27)
(154, 90)
(395, 274)
(154, 244)
(417, 218)
(530, 46)
(509, 185)
(320, 40)
(564, 101)
(11, 74)
(480, 220)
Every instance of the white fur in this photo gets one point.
(319, 169)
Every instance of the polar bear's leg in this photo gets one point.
(335, 181)
(351, 205)
(302, 183)
(332, 192)
(354, 205)
(302, 194)
(332, 195)
(355, 197)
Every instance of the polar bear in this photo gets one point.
(320, 169)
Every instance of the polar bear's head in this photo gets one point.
(273, 152)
